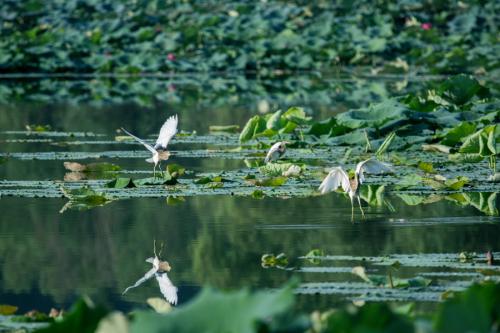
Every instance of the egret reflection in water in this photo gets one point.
(159, 271)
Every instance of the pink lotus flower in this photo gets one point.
(171, 57)
(426, 26)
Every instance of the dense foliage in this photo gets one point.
(87, 36)
(475, 310)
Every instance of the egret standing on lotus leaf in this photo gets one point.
(159, 151)
(276, 151)
(338, 177)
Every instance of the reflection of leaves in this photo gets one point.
(6, 310)
(389, 281)
(453, 184)
(409, 181)
(173, 200)
(373, 194)
(38, 128)
(258, 194)
(483, 201)
(210, 309)
(270, 260)
(91, 167)
(225, 128)
(121, 183)
(83, 198)
(312, 256)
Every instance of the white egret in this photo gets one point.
(276, 151)
(167, 132)
(338, 177)
(159, 270)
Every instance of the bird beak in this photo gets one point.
(287, 142)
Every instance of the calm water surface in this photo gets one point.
(47, 259)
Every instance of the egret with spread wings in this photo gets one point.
(159, 151)
(337, 177)
(159, 271)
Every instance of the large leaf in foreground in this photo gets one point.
(475, 310)
(83, 318)
(214, 311)
(372, 317)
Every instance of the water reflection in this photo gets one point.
(103, 105)
(159, 271)
(214, 240)
(485, 202)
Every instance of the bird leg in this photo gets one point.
(361, 208)
(161, 249)
(352, 210)
(161, 171)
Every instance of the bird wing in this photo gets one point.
(149, 274)
(167, 131)
(167, 288)
(335, 178)
(148, 146)
(273, 150)
(371, 166)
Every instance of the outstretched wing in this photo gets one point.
(167, 288)
(335, 178)
(273, 152)
(149, 274)
(148, 146)
(371, 166)
(167, 131)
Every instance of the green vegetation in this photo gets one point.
(265, 37)
(411, 83)
(478, 309)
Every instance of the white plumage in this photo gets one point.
(275, 152)
(337, 177)
(371, 166)
(149, 274)
(167, 288)
(167, 132)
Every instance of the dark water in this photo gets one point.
(48, 259)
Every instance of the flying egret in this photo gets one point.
(167, 132)
(338, 177)
(159, 271)
(276, 151)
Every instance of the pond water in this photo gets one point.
(48, 258)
